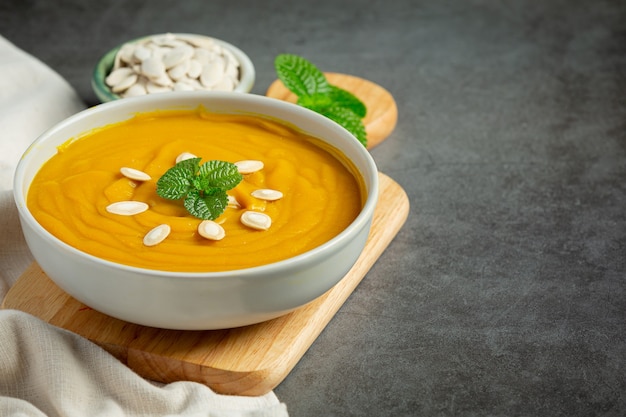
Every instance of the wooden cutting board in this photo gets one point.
(250, 360)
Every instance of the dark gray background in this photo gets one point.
(504, 294)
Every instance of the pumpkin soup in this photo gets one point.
(93, 193)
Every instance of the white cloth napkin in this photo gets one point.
(44, 370)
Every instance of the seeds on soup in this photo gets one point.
(233, 203)
(209, 229)
(249, 166)
(135, 174)
(127, 208)
(267, 194)
(184, 156)
(157, 235)
(256, 220)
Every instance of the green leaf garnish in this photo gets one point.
(176, 183)
(315, 101)
(314, 92)
(202, 186)
(220, 174)
(347, 119)
(207, 206)
(348, 100)
(300, 76)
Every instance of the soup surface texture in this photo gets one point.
(322, 194)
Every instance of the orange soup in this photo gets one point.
(321, 191)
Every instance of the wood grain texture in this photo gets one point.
(382, 111)
(250, 360)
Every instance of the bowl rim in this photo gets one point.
(370, 175)
(106, 61)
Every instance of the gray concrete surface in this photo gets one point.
(505, 292)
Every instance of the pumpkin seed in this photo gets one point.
(256, 220)
(135, 174)
(127, 208)
(185, 155)
(249, 166)
(157, 235)
(208, 229)
(232, 202)
(153, 68)
(125, 83)
(267, 194)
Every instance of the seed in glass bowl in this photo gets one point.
(173, 62)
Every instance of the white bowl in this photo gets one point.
(105, 64)
(196, 301)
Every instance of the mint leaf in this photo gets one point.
(348, 119)
(206, 206)
(220, 174)
(177, 181)
(188, 166)
(340, 106)
(314, 92)
(202, 186)
(315, 101)
(344, 98)
(300, 76)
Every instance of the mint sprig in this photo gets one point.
(314, 92)
(202, 186)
